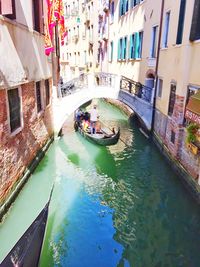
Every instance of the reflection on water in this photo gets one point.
(118, 206)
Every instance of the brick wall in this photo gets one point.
(164, 125)
(17, 151)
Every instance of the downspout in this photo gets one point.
(157, 63)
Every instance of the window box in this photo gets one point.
(194, 148)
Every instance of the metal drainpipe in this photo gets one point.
(157, 63)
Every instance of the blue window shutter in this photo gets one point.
(122, 49)
(137, 45)
(125, 47)
(130, 46)
(127, 2)
(120, 7)
(140, 44)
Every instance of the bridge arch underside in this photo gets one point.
(67, 105)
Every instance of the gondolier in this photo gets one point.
(93, 119)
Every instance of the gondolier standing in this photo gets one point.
(93, 119)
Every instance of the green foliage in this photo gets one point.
(191, 130)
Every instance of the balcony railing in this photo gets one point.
(105, 79)
(136, 88)
(74, 85)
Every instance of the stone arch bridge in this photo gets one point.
(78, 91)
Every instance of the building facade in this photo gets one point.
(25, 89)
(155, 43)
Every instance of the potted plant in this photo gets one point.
(192, 138)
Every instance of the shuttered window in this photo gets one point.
(126, 5)
(132, 46)
(14, 109)
(181, 22)
(124, 45)
(172, 99)
(7, 8)
(47, 90)
(138, 44)
(38, 97)
(120, 49)
(195, 27)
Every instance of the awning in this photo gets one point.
(192, 112)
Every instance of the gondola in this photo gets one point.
(103, 138)
(26, 252)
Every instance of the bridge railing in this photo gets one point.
(73, 85)
(136, 88)
(105, 79)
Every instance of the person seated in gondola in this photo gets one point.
(85, 125)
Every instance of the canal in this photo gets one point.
(118, 206)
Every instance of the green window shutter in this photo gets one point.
(137, 45)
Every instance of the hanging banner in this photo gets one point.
(55, 13)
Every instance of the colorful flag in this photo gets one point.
(55, 13)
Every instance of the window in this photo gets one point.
(135, 2)
(7, 8)
(38, 97)
(126, 7)
(47, 90)
(120, 46)
(166, 30)
(124, 44)
(195, 27)
(153, 42)
(38, 23)
(159, 87)
(111, 52)
(121, 8)
(112, 9)
(138, 45)
(132, 47)
(181, 22)
(172, 99)
(14, 109)
(173, 137)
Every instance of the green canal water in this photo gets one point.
(117, 206)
